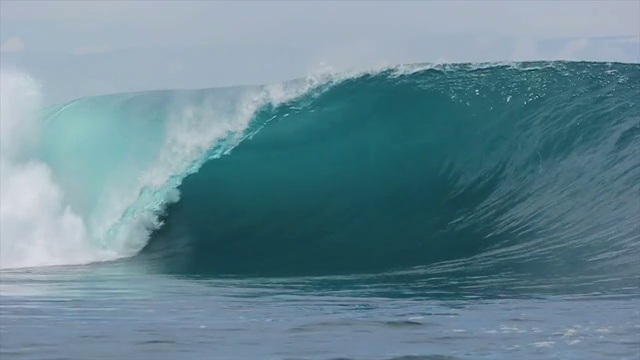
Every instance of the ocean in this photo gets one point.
(449, 211)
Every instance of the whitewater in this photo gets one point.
(38, 228)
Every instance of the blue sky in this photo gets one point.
(81, 48)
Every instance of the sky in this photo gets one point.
(84, 48)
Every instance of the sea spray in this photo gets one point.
(37, 226)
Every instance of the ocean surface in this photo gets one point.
(452, 211)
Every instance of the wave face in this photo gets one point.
(527, 164)
(528, 167)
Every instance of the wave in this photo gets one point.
(108, 165)
(519, 164)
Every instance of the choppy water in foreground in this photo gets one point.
(106, 313)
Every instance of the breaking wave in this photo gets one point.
(528, 163)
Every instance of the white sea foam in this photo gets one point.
(37, 228)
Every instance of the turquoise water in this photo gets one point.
(484, 211)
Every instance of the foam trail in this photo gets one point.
(37, 226)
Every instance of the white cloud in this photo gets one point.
(607, 51)
(573, 48)
(202, 23)
(88, 50)
(629, 40)
(484, 42)
(525, 49)
(15, 44)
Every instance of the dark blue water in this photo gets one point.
(453, 212)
